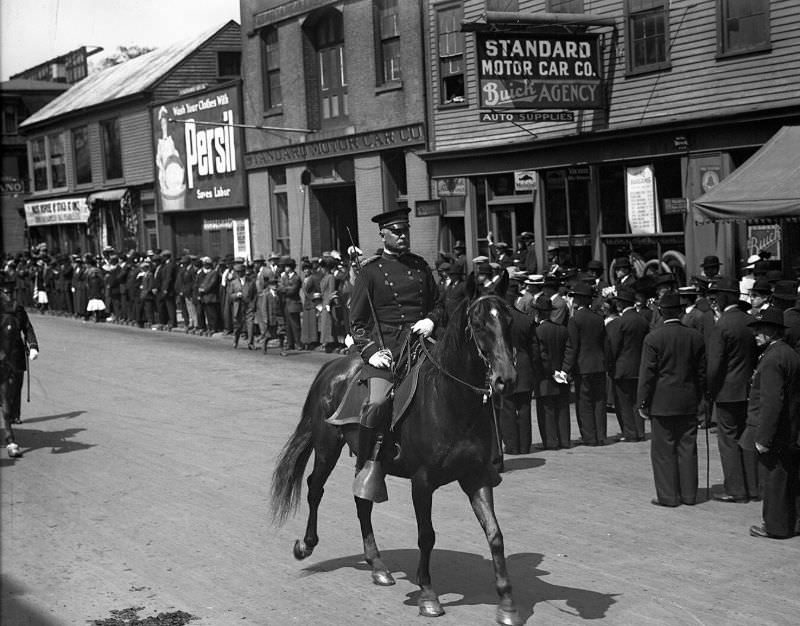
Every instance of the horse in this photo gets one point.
(445, 435)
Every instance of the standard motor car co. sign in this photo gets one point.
(520, 71)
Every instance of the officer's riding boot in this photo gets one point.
(369, 481)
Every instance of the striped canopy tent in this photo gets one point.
(764, 188)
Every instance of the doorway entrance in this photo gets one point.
(336, 213)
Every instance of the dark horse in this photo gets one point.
(444, 436)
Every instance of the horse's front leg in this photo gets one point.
(422, 495)
(482, 502)
(380, 573)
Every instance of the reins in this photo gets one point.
(486, 392)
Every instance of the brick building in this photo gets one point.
(346, 82)
(92, 154)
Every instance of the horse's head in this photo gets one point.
(489, 324)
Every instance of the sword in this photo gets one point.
(369, 296)
(28, 371)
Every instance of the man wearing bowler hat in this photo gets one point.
(394, 294)
(731, 361)
(786, 297)
(671, 381)
(623, 277)
(773, 426)
(710, 267)
(584, 357)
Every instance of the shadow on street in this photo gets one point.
(16, 611)
(471, 577)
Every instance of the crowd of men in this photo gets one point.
(723, 351)
(264, 301)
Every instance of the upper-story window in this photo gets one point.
(329, 45)
(81, 156)
(112, 148)
(271, 67)
(647, 32)
(565, 6)
(743, 26)
(229, 64)
(451, 55)
(9, 119)
(39, 162)
(58, 165)
(387, 26)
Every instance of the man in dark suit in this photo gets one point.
(552, 398)
(731, 361)
(625, 355)
(773, 426)
(623, 276)
(208, 295)
(671, 383)
(289, 287)
(165, 299)
(585, 359)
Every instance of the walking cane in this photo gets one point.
(28, 371)
(708, 448)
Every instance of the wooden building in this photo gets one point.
(339, 90)
(92, 160)
(596, 124)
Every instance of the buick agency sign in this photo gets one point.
(199, 151)
(523, 71)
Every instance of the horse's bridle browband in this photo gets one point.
(485, 391)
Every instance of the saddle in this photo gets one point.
(406, 379)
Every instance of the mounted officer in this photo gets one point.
(395, 294)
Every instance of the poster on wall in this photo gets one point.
(640, 191)
(241, 239)
(764, 238)
(199, 151)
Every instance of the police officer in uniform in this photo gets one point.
(16, 338)
(402, 289)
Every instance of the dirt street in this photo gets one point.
(145, 483)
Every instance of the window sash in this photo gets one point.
(273, 96)
(39, 160)
(81, 155)
(58, 166)
(647, 34)
(744, 25)
(112, 148)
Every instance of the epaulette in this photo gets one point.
(370, 259)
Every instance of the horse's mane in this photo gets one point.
(453, 337)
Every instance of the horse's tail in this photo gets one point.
(287, 479)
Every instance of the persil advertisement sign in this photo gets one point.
(199, 151)
(522, 71)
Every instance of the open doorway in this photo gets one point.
(336, 214)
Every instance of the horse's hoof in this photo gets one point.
(301, 551)
(383, 579)
(509, 617)
(430, 608)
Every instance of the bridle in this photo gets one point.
(469, 331)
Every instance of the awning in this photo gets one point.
(766, 187)
(108, 195)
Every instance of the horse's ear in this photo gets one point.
(502, 285)
(471, 288)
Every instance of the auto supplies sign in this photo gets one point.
(523, 71)
(199, 151)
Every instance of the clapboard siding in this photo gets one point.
(697, 86)
(137, 148)
(200, 67)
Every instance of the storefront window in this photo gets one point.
(58, 168)
(39, 158)
(567, 222)
(280, 212)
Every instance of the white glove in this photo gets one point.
(423, 327)
(33, 354)
(560, 377)
(382, 360)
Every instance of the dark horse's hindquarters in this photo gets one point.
(445, 436)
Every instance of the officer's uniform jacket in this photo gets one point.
(16, 335)
(403, 291)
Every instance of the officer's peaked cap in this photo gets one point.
(389, 218)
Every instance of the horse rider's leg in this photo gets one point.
(326, 453)
(369, 482)
(482, 502)
(380, 573)
(422, 495)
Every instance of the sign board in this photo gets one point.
(529, 71)
(525, 180)
(428, 208)
(451, 187)
(60, 211)
(241, 238)
(675, 206)
(527, 116)
(199, 151)
(764, 237)
(641, 200)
